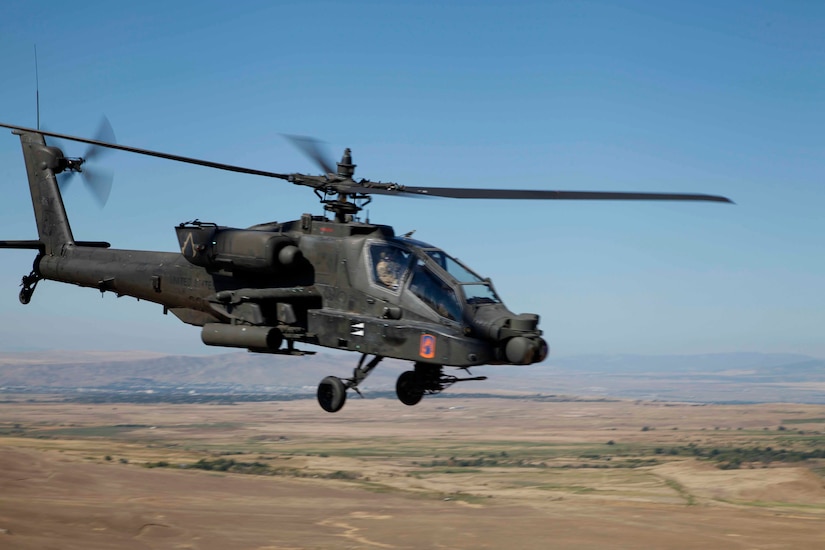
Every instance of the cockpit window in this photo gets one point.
(434, 292)
(476, 290)
(480, 294)
(389, 264)
(451, 266)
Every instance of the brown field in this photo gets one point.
(449, 473)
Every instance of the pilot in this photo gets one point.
(389, 267)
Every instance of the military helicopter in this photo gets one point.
(329, 280)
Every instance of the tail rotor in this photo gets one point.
(97, 179)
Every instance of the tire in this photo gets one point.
(409, 388)
(332, 394)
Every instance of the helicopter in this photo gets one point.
(324, 280)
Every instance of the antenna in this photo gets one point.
(37, 86)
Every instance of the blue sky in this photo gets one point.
(715, 97)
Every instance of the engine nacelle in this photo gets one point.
(207, 245)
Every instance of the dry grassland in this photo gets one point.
(449, 473)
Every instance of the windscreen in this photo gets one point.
(476, 290)
(434, 292)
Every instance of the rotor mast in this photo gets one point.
(344, 206)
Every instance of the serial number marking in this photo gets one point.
(190, 282)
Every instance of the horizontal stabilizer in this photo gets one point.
(31, 245)
(38, 245)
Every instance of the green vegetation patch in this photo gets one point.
(804, 421)
(446, 470)
(573, 489)
(91, 431)
(210, 426)
(774, 504)
(733, 457)
(683, 492)
(231, 465)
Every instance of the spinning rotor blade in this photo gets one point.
(311, 147)
(64, 181)
(98, 180)
(104, 133)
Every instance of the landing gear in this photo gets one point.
(426, 379)
(29, 283)
(332, 394)
(332, 391)
(411, 387)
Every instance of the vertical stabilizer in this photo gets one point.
(42, 165)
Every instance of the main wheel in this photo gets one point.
(409, 388)
(332, 394)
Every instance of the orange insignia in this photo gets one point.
(427, 347)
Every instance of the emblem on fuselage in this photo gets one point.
(427, 347)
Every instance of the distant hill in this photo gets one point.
(715, 362)
(730, 377)
(70, 370)
(723, 377)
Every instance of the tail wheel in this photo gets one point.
(25, 296)
(409, 388)
(29, 283)
(332, 394)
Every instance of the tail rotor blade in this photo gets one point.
(99, 182)
(104, 133)
(64, 181)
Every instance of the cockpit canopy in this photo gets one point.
(440, 281)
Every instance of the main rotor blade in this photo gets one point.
(537, 194)
(179, 158)
(311, 147)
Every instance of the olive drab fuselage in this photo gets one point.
(319, 282)
(313, 281)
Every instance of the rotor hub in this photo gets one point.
(346, 169)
